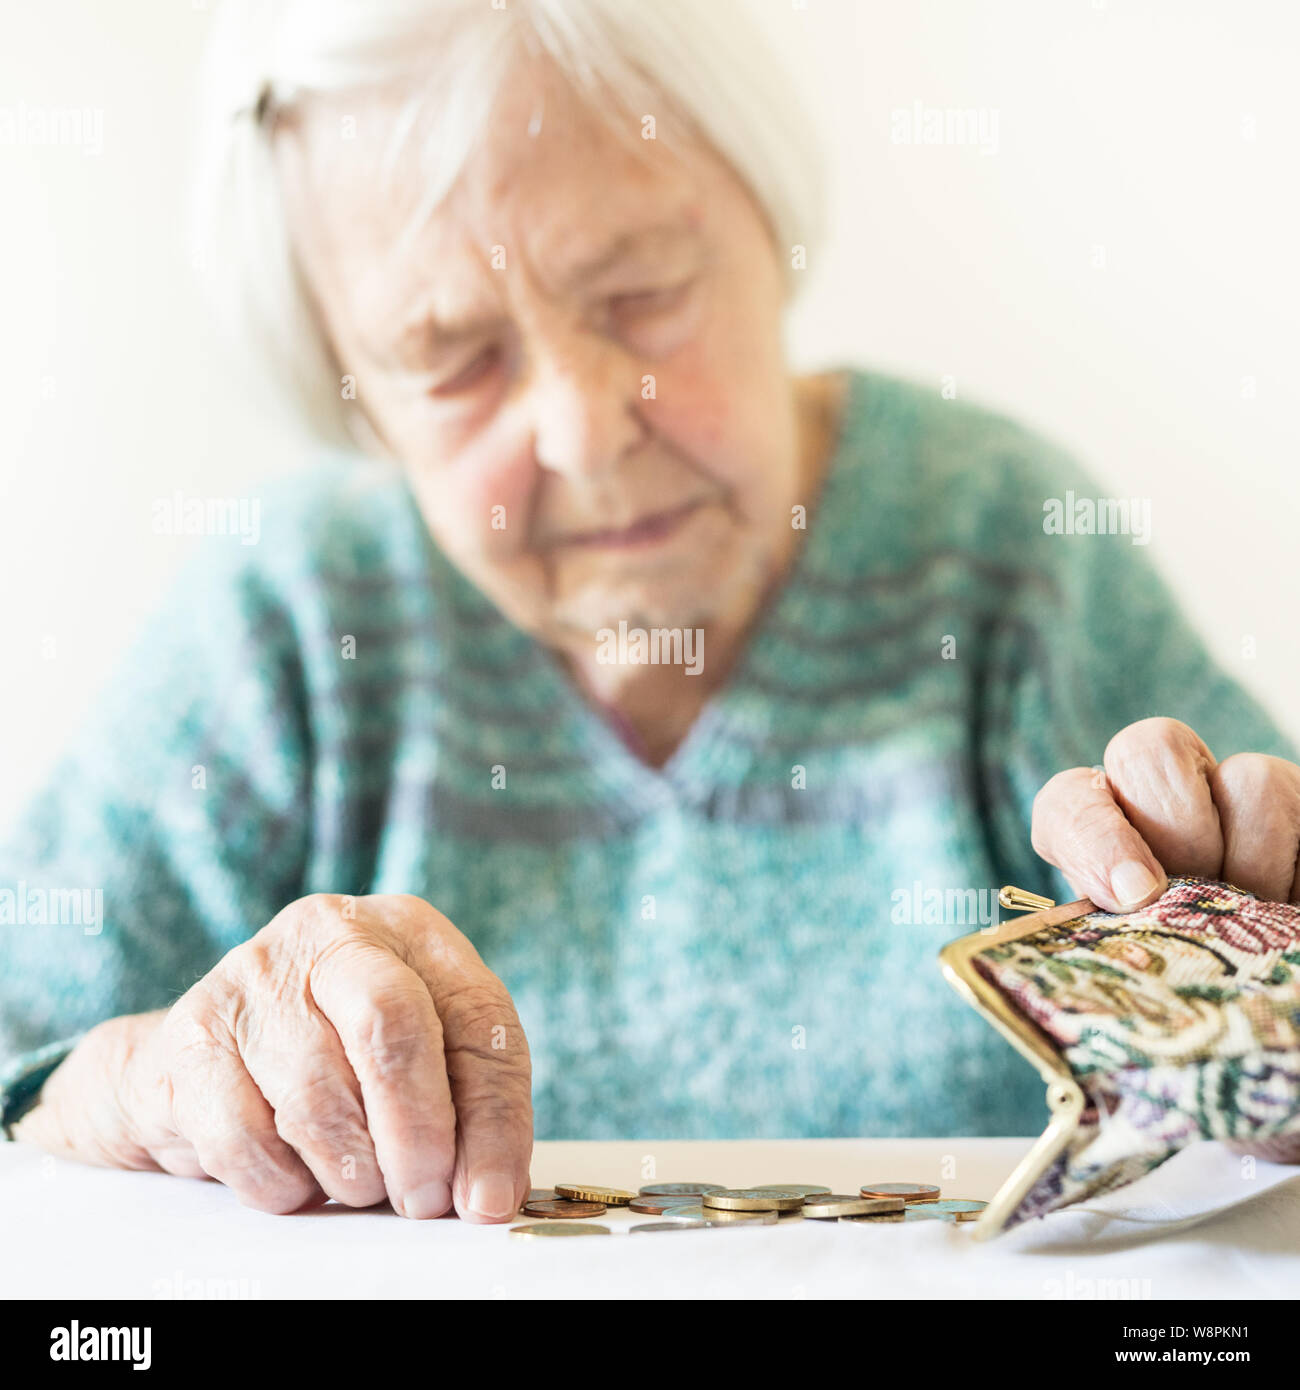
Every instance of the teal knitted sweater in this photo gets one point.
(740, 944)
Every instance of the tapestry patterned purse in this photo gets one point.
(1153, 1028)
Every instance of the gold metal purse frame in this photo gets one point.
(1065, 1098)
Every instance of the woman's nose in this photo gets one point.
(585, 410)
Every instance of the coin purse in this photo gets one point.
(1154, 1028)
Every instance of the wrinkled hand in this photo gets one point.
(352, 1048)
(1165, 806)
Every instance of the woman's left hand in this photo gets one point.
(1162, 806)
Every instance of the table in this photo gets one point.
(1203, 1225)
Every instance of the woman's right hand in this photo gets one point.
(354, 1048)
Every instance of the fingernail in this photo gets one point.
(492, 1194)
(1132, 882)
(424, 1202)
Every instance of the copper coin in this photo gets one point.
(908, 1191)
(657, 1206)
(680, 1189)
(561, 1210)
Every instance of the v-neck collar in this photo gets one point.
(611, 768)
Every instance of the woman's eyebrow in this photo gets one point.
(425, 329)
(639, 242)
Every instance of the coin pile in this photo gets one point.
(566, 1209)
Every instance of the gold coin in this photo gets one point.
(556, 1228)
(908, 1191)
(876, 1217)
(715, 1216)
(561, 1210)
(585, 1192)
(753, 1199)
(832, 1206)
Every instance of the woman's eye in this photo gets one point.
(468, 376)
(645, 303)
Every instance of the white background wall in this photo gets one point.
(1165, 132)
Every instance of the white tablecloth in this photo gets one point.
(1204, 1225)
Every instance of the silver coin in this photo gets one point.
(753, 1199)
(710, 1216)
(960, 1208)
(927, 1211)
(671, 1226)
(679, 1189)
(803, 1189)
(831, 1208)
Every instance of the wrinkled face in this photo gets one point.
(578, 361)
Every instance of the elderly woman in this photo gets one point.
(605, 692)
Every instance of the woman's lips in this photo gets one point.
(649, 530)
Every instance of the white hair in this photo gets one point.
(700, 66)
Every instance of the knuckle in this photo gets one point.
(1089, 820)
(316, 917)
(321, 1117)
(474, 1010)
(1250, 775)
(1086, 829)
(404, 912)
(251, 1166)
(1156, 734)
(505, 1112)
(409, 903)
(391, 1038)
(314, 906)
(1054, 802)
(280, 1198)
(250, 964)
(1064, 785)
(192, 1027)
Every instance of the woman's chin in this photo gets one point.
(691, 597)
